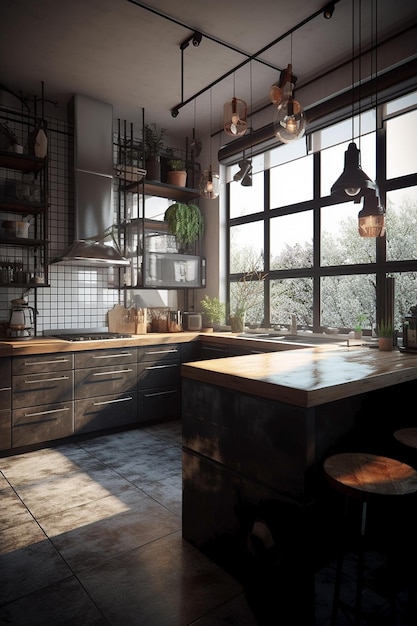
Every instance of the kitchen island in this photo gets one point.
(256, 430)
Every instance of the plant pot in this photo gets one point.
(177, 177)
(357, 334)
(237, 324)
(385, 343)
(153, 170)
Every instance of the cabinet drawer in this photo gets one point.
(102, 381)
(156, 405)
(47, 388)
(5, 397)
(158, 375)
(159, 354)
(105, 412)
(100, 358)
(5, 429)
(42, 363)
(42, 423)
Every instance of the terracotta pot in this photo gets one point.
(385, 343)
(177, 177)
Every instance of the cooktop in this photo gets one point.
(89, 336)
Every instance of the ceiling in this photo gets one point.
(128, 53)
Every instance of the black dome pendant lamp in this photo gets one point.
(353, 183)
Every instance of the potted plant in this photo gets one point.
(154, 144)
(247, 294)
(358, 327)
(176, 174)
(214, 311)
(385, 335)
(185, 221)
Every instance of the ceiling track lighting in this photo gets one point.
(328, 11)
(195, 38)
(244, 172)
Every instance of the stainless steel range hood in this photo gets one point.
(92, 167)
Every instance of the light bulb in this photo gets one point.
(289, 122)
(352, 191)
(235, 121)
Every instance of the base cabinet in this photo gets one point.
(159, 378)
(105, 389)
(5, 402)
(42, 398)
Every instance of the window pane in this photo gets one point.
(292, 296)
(345, 298)
(247, 200)
(333, 161)
(291, 241)
(291, 182)
(340, 240)
(401, 222)
(405, 296)
(401, 145)
(246, 247)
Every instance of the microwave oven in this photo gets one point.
(192, 321)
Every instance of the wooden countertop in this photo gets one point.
(47, 345)
(307, 377)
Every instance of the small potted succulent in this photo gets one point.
(176, 174)
(385, 335)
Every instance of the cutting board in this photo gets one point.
(122, 320)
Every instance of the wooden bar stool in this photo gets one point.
(366, 478)
(407, 436)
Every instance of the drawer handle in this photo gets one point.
(46, 380)
(113, 356)
(48, 362)
(114, 372)
(113, 401)
(5, 388)
(161, 367)
(67, 408)
(162, 351)
(159, 393)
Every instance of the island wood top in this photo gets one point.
(307, 377)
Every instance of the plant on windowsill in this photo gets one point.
(214, 312)
(186, 222)
(176, 174)
(358, 327)
(246, 295)
(385, 335)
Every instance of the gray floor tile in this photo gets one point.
(98, 531)
(12, 510)
(165, 583)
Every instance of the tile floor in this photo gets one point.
(90, 534)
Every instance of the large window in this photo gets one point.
(305, 247)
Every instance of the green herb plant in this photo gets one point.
(176, 165)
(385, 329)
(213, 310)
(185, 221)
(154, 140)
(359, 322)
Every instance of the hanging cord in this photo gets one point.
(353, 70)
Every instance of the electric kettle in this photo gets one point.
(21, 320)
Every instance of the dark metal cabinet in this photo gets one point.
(105, 389)
(159, 383)
(42, 398)
(5, 402)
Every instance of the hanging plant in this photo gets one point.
(185, 221)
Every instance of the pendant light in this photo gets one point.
(289, 120)
(209, 181)
(353, 183)
(234, 116)
(371, 219)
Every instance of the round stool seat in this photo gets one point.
(407, 436)
(362, 475)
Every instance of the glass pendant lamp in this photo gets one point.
(289, 120)
(210, 180)
(234, 117)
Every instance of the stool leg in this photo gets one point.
(360, 565)
(339, 569)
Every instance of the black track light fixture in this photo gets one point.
(328, 11)
(245, 168)
(195, 38)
